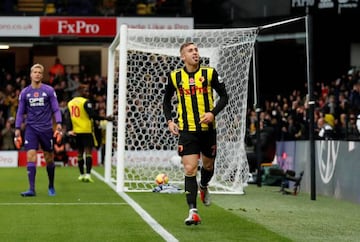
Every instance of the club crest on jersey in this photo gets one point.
(202, 79)
(36, 94)
(191, 81)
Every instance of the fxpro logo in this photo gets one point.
(193, 90)
(327, 155)
(78, 27)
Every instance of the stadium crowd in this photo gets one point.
(337, 106)
(336, 110)
(66, 87)
(95, 7)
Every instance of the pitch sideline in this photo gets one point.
(143, 214)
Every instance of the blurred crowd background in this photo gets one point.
(336, 110)
(95, 7)
(285, 110)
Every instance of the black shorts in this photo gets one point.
(197, 142)
(84, 140)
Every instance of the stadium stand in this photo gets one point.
(33, 7)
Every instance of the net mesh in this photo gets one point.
(149, 147)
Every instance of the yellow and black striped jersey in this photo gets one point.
(194, 91)
(81, 122)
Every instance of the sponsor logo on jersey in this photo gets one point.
(37, 101)
(193, 91)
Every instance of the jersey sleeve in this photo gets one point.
(169, 92)
(55, 107)
(219, 86)
(21, 110)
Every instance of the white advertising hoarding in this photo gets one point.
(156, 23)
(30, 26)
(9, 158)
(19, 26)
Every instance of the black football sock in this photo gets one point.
(205, 176)
(191, 190)
(81, 166)
(50, 168)
(88, 164)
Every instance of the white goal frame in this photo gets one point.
(117, 72)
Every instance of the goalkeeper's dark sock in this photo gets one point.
(191, 190)
(31, 169)
(81, 165)
(88, 164)
(50, 168)
(205, 176)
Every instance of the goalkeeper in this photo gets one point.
(194, 85)
(38, 102)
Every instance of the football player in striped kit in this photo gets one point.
(194, 85)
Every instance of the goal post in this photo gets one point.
(138, 143)
(111, 71)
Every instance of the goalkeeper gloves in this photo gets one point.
(58, 136)
(18, 142)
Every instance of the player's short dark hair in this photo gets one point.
(83, 88)
(185, 45)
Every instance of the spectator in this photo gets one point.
(73, 83)
(341, 127)
(8, 80)
(11, 101)
(60, 87)
(98, 89)
(330, 105)
(266, 149)
(57, 72)
(291, 130)
(8, 134)
(354, 97)
(325, 131)
(20, 82)
(342, 103)
(352, 130)
(2, 119)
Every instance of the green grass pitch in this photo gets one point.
(95, 212)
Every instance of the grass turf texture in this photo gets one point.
(79, 211)
(94, 212)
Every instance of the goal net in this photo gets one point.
(139, 145)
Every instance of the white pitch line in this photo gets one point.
(143, 214)
(62, 204)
